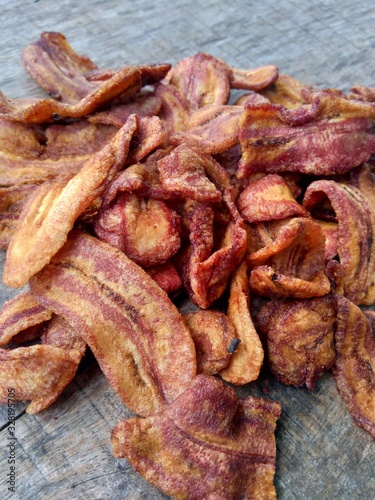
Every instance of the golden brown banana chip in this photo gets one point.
(292, 262)
(51, 211)
(147, 230)
(288, 92)
(183, 171)
(214, 336)
(212, 129)
(59, 333)
(38, 373)
(247, 358)
(268, 198)
(253, 79)
(300, 338)
(20, 313)
(201, 79)
(354, 370)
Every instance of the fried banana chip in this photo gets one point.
(253, 79)
(30, 155)
(135, 332)
(363, 178)
(70, 78)
(38, 373)
(329, 136)
(201, 79)
(211, 129)
(183, 171)
(20, 313)
(57, 68)
(147, 230)
(149, 136)
(166, 276)
(206, 444)
(60, 334)
(330, 233)
(51, 211)
(363, 93)
(300, 338)
(355, 233)
(214, 336)
(268, 198)
(141, 178)
(143, 105)
(247, 358)
(49, 110)
(354, 370)
(12, 200)
(174, 110)
(293, 263)
(206, 269)
(288, 92)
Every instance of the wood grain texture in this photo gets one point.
(64, 452)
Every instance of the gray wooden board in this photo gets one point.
(64, 452)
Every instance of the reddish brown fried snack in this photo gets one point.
(12, 200)
(363, 178)
(149, 136)
(20, 313)
(166, 276)
(247, 358)
(59, 334)
(300, 338)
(147, 230)
(30, 155)
(49, 110)
(330, 232)
(183, 171)
(363, 93)
(213, 336)
(141, 178)
(201, 79)
(355, 233)
(354, 370)
(206, 444)
(288, 92)
(174, 110)
(133, 329)
(266, 282)
(211, 129)
(206, 269)
(38, 373)
(57, 68)
(253, 79)
(74, 143)
(69, 77)
(209, 278)
(293, 263)
(329, 136)
(52, 210)
(143, 105)
(268, 198)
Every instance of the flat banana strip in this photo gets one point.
(247, 359)
(20, 313)
(38, 373)
(135, 332)
(51, 212)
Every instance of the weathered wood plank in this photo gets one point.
(65, 452)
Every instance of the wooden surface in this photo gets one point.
(64, 452)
